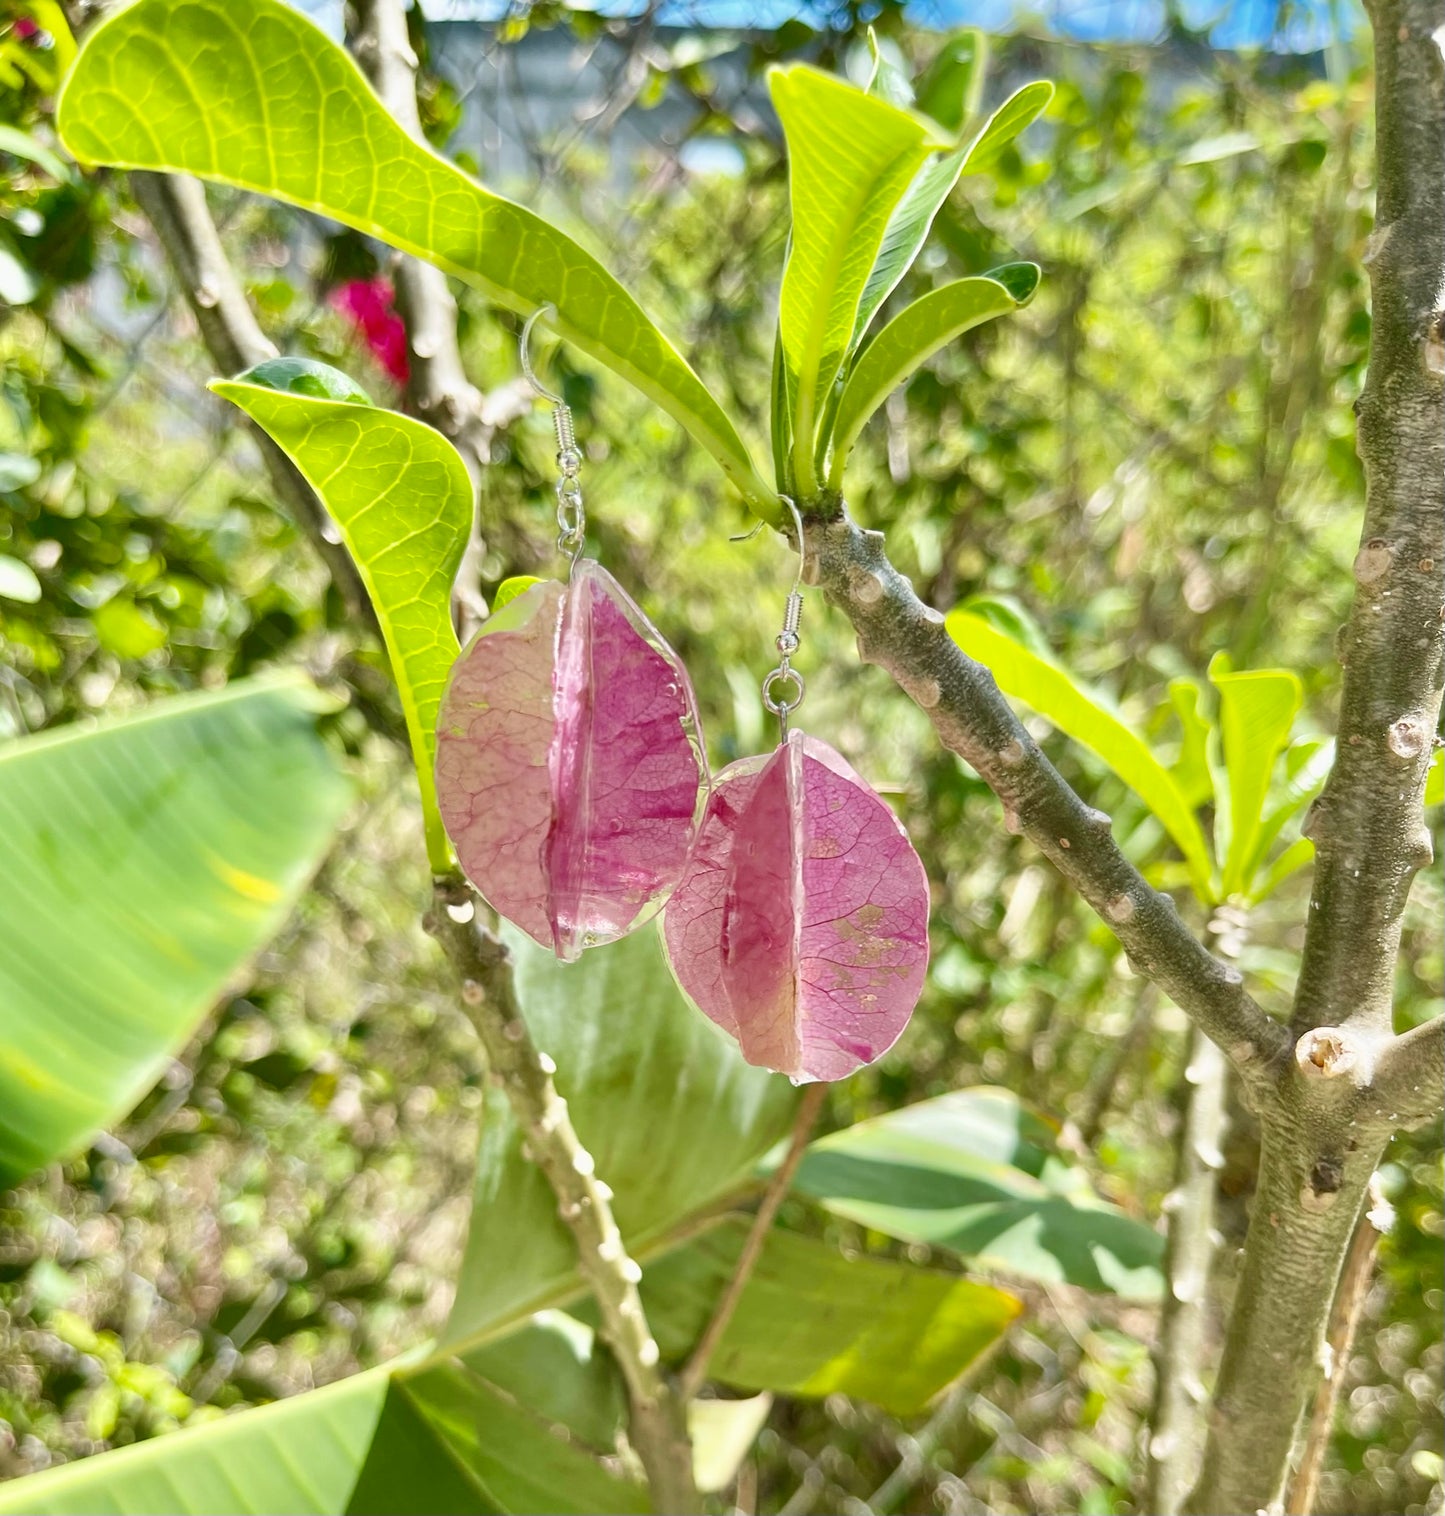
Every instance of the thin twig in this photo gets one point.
(1345, 1319)
(524, 1073)
(695, 1370)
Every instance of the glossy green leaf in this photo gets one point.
(979, 1174)
(257, 96)
(402, 499)
(850, 157)
(1256, 710)
(1307, 764)
(509, 589)
(908, 226)
(1079, 714)
(644, 1076)
(1019, 111)
(812, 1322)
(907, 342)
(1191, 768)
(951, 87)
(723, 1433)
(142, 863)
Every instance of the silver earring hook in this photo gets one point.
(540, 389)
(571, 513)
(787, 643)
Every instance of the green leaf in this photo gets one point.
(509, 589)
(850, 157)
(909, 225)
(17, 470)
(1256, 711)
(951, 88)
(1294, 857)
(1079, 714)
(978, 1173)
(812, 1322)
(1307, 765)
(908, 341)
(142, 862)
(1435, 779)
(18, 581)
(1019, 111)
(257, 96)
(643, 1075)
(722, 1433)
(441, 1442)
(402, 499)
(1191, 768)
(22, 145)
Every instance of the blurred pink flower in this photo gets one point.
(367, 303)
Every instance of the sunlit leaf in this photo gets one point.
(723, 1433)
(1256, 710)
(643, 1075)
(850, 157)
(18, 581)
(908, 226)
(801, 927)
(909, 340)
(812, 1322)
(1191, 768)
(1307, 764)
(1294, 857)
(1435, 779)
(402, 498)
(257, 96)
(142, 863)
(1054, 694)
(570, 766)
(978, 1173)
(952, 85)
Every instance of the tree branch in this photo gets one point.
(484, 965)
(1368, 825)
(1408, 1088)
(907, 638)
(175, 205)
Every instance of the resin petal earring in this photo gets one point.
(801, 925)
(570, 762)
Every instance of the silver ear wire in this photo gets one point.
(571, 513)
(787, 642)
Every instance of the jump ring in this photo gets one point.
(783, 675)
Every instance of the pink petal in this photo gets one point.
(801, 927)
(570, 764)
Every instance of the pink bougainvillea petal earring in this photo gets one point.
(801, 925)
(570, 763)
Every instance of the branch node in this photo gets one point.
(1372, 562)
(1325, 1053)
(1408, 737)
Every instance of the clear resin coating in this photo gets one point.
(570, 767)
(801, 925)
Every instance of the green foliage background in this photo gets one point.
(1156, 460)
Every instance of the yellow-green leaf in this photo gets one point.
(911, 338)
(402, 498)
(257, 96)
(851, 155)
(1055, 695)
(1256, 710)
(142, 862)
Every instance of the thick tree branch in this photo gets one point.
(1368, 826)
(524, 1074)
(907, 638)
(175, 206)
(1176, 1420)
(1408, 1088)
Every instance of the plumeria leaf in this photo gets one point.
(851, 155)
(952, 85)
(801, 927)
(1055, 694)
(1191, 768)
(1256, 710)
(256, 95)
(570, 762)
(912, 337)
(401, 497)
(1435, 779)
(1294, 857)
